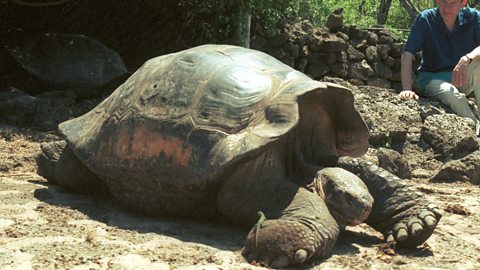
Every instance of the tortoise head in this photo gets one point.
(345, 195)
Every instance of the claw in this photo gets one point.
(431, 206)
(416, 229)
(430, 221)
(434, 208)
(402, 234)
(390, 238)
(437, 212)
(263, 262)
(301, 255)
(424, 214)
(415, 226)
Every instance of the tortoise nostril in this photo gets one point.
(367, 211)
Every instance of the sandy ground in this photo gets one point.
(44, 227)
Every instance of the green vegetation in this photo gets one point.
(362, 13)
(223, 14)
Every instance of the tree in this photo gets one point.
(220, 21)
(410, 8)
(383, 9)
(241, 21)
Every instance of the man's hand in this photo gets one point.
(459, 74)
(408, 94)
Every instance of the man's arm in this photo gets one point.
(475, 54)
(459, 74)
(406, 74)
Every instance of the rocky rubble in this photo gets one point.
(417, 139)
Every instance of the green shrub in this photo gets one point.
(217, 17)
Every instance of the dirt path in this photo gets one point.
(43, 227)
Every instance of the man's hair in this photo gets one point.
(463, 2)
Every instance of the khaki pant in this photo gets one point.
(455, 98)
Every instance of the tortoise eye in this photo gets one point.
(349, 199)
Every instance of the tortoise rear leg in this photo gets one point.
(298, 225)
(400, 212)
(59, 165)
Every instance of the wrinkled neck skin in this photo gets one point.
(305, 153)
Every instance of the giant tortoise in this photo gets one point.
(219, 129)
(53, 61)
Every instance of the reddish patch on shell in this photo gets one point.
(145, 143)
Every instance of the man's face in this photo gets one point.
(449, 8)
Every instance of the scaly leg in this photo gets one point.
(400, 212)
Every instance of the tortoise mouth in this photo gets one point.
(362, 217)
(355, 223)
(349, 221)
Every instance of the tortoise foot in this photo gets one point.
(279, 243)
(416, 226)
(405, 217)
(403, 214)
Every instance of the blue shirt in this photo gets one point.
(441, 49)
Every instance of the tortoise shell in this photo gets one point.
(68, 60)
(183, 120)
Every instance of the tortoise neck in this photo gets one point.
(296, 167)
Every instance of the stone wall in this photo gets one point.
(363, 57)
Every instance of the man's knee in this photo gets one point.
(454, 98)
(473, 78)
(448, 94)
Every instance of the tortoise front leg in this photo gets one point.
(297, 225)
(400, 212)
(305, 230)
